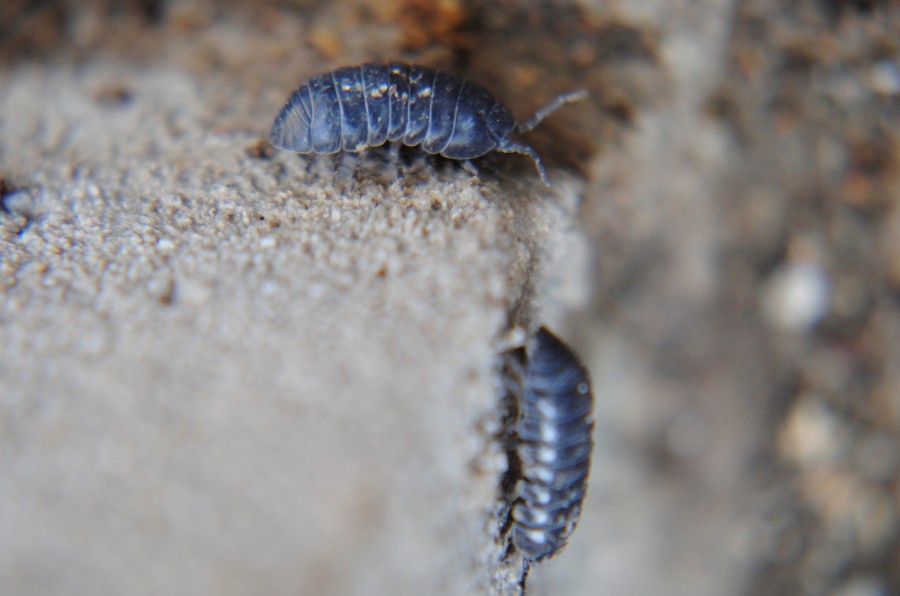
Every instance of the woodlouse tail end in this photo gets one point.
(291, 130)
(277, 135)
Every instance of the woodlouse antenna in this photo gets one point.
(510, 147)
(551, 107)
(558, 102)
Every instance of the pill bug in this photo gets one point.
(548, 444)
(355, 107)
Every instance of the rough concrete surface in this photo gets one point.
(229, 370)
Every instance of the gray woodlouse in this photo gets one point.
(355, 107)
(549, 446)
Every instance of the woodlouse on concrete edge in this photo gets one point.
(355, 107)
(549, 446)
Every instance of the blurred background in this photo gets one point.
(730, 271)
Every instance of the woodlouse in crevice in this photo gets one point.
(355, 107)
(549, 445)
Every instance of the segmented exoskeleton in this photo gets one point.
(355, 107)
(549, 445)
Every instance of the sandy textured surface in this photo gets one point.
(230, 371)
(222, 374)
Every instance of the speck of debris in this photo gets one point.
(114, 96)
(5, 189)
(262, 149)
(797, 296)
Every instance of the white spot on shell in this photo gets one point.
(541, 474)
(547, 407)
(546, 455)
(549, 432)
(538, 494)
(536, 516)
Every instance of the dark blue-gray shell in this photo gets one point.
(551, 447)
(356, 107)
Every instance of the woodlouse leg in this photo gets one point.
(551, 107)
(512, 375)
(525, 569)
(510, 147)
(470, 167)
(433, 164)
(346, 166)
(336, 166)
(394, 157)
